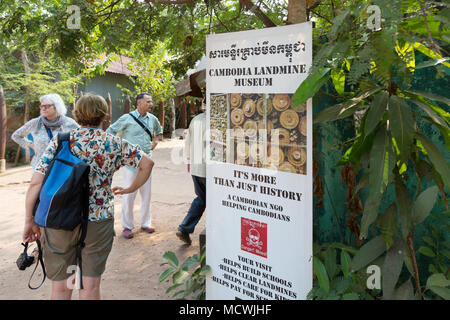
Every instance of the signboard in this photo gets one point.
(259, 166)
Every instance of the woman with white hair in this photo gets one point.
(43, 128)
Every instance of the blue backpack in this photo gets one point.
(63, 202)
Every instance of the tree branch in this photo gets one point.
(314, 5)
(258, 13)
(171, 2)
(430, 38)
(110, 6)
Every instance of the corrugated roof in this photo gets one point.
(118, 65)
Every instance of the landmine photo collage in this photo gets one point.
(258, 130)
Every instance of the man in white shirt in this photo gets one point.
(195, 146)
(132, 125)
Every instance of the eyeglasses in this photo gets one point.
(45, 106)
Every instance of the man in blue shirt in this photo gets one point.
(142, 128)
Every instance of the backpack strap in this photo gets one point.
(49, 132)
(40, 261)
(83, 231)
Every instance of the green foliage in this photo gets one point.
(189, 277)
(112, 26)
(151, 75)
(46, 74)
(437, 250)
(334, 279)
(389, 146)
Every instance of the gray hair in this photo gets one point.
(55, 100)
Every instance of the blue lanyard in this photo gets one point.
(49, 132)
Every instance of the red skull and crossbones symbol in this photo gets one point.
(253, 238)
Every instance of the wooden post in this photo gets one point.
(173, 117)
(189, 114)
(161, 114)
(3, 133)
(183, 120)
(108, 118)
(127, 105)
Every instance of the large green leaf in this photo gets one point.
(440, 291)
(387, 224)
(368, 253)
(431, 63)
(330, 262)
(436, 158)
(436, 109)
(343, 109)
(438, 280)
(438, 283)
(345, 263)
(404, 292)
(423, 204)
(310, 86)
(321, 273)
(391, 269)
(359, 148)
(170, 258)
(379, 169)
(430, 96)
(338, 78)
(434, 117)
(427, 252)
(376, 111)
(401, 125)
(166, 274)
(378, 155)
(180, 276)
(404, 206)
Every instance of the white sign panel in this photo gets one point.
(259, 166)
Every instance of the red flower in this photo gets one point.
(104, 183)
(100, 160)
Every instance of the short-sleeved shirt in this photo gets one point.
(134, 133)
(105, 154)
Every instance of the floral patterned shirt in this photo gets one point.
(105, 154)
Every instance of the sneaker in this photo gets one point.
(183, 236)
(127, 233)
(148, 229)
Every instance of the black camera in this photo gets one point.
(25, 260)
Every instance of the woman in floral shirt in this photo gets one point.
(51, 121)
(105, 154)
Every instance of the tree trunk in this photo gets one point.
(26, 115)
(127, 105)
(296, 11)
(75, 93)
(108, 118)
(3, 133)
(183, 120)
(173, 117)
(161, 114)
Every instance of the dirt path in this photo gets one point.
(134, 265)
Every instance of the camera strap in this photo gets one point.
(143, 126)
(40, 261)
